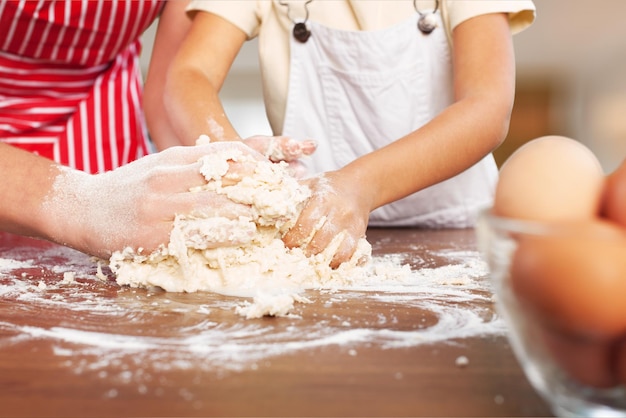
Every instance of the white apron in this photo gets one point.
(356, 91)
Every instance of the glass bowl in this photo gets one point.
(546, 368)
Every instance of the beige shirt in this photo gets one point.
(269, 20)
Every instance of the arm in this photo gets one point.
(192, 88)
(475, 124)
(172, 27)
(484, 85)
(28, 179)
(196, 76)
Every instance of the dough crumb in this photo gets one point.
(68, 277)
(462, 361)
(270, 305)
(99, 274)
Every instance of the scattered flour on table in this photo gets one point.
(255, 262)
(107, 330)
(420, 306)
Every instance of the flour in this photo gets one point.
(252, 260)
(8, 265)
(68, 277)
(99, 328)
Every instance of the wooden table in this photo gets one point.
(88, 347)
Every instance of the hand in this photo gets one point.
(336, 210)
(282, 148)
(135, 205)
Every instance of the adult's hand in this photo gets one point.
(135, 205)
(283, 148)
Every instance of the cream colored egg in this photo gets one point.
(586, 361)
(575, 281)
(615, 196)
(552, 178)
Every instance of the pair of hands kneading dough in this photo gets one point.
(254, 259)
(135, 205)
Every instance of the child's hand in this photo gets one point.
(336, 209)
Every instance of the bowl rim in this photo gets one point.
(518, 225)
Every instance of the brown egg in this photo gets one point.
(620, 360)
(586, 361)
(552, 178)
(575, 281)
(614, 202)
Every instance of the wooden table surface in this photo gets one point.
(74, 343)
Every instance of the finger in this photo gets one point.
(337, 246)
(235, 145)
(297, 169)
(301, 233)
(291, 150)
(344, 253)
(325, 233)
(228, 150)
(204, 204)
(191, 176)
(184, 155)
(237, 171)
(230, 162)
(262, 144)
(209, 204)
(175, 179)
(308, 146)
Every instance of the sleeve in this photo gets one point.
(521, 12)
(241, 13)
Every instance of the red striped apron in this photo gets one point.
(70, 81)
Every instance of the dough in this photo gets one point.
(261, 264)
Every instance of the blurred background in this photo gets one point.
(571, 79)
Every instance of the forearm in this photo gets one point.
(172, 28)
(452, 142)
(195, 108)
(195, 77)
(160, 128)
(27, 188)
(466, 131)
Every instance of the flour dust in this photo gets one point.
(65, 298)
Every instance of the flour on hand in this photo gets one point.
(251, 259)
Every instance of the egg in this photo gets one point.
(620, 359)
(552, 178)
(576, 280)
(572, 285)
(614, 204)
(586, 361)
(571, 282)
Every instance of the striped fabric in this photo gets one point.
(70, 82)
